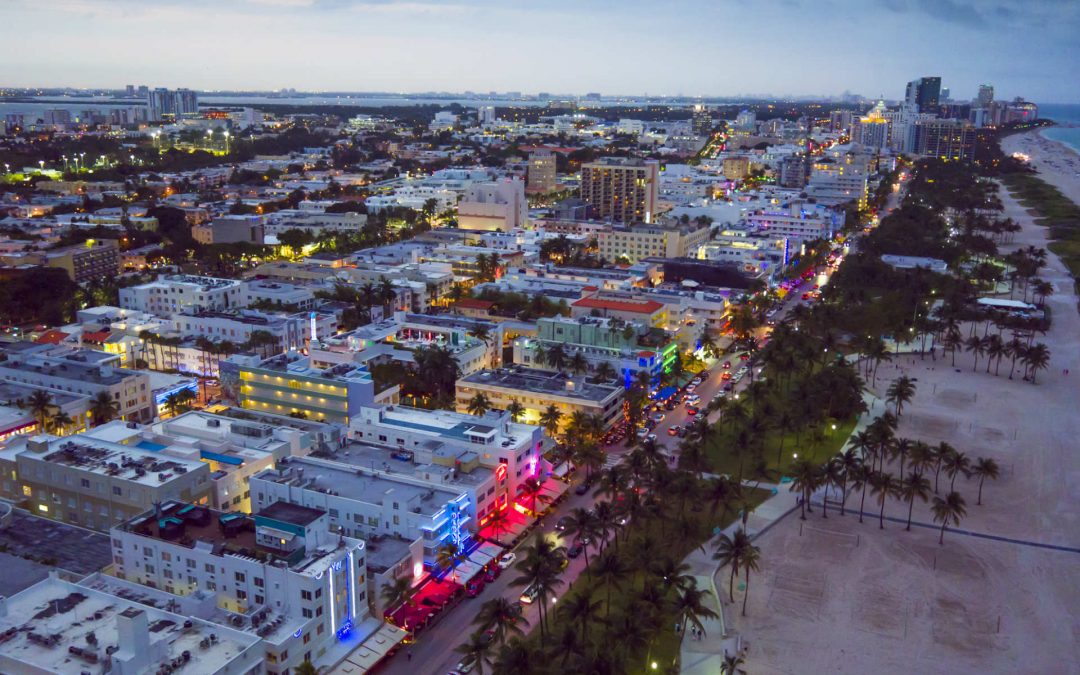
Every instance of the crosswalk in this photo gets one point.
(611, 460)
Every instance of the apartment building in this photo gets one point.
(799, 222)
(280, 574)
(278, 294)
(290, 383)
(631, 308)
(948, 140)
(736, 168)
(313, 221)
(634, 242)
(238, 326)
(536, 390)
(229, 229)
(835, 181)
(83, 372)
(94, 259)
(622, 190)
(541, 172)
(174, 293)
(498, 206)
(95, 483)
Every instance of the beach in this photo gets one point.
(1057, 163)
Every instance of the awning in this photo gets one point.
(371, 651)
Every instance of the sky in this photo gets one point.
(673, 47)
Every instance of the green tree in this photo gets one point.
(40, 401)
(479, 405)
(516, 410)
(883, 486)
(984, 468)
(399, 591)
(476, 651)
(750, 560)
(501, 616)
(103, 408)
(539, 568)
(915, 486)
(952, 508)
(730, 551)
(900, 392)
(549, 419)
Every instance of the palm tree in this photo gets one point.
(977, 346)
(604, 372)
(689, 607)
(915, 486)
(731, 663)
(479, 405)
(751, 557)
(610, 571)
(578, 364)
(951, 508)
(540, 567)
(476, 650)
(956, 463)
(172, 404)
(1014, 349)
(516, 410)
(984, 468)
(307, 668)
(582, 527)
(901, 391)
(849, 463)
(534, 491)
(729, 551)
(516, 656)
(806, 478)
(60, 422)
(501, 616)
(448, 556)
(549, 419)
(499, 522)
(581, 609)
(882, 485)
(556, 357)
(398, 591)
(860, 480)
(40, 401)
(996, 349)
(103, 407)
(1036, 358)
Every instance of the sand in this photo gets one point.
(1056, 162)
(834, 596)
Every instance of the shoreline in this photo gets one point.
(1065, 146)
(1055, 162)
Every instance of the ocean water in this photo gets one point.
(1068, 116)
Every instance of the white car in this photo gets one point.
(507, 559)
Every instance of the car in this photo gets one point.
(658, 417)
(744, 356)
(492, 573)
(728, 386)
(652, 437)
(673, 430)
(563, 523)
(727, 364)
(691, 387)
(670, 405)
(474, 587)
(805, 296)
(466, 665)
(582, 488)
(642, 433)
(507, 559)
(683, 432)
(726, 376)
(575, 550)
(528, 596)
(691, 410)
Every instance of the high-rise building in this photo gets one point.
(701, 120)
(129, 90)
(486, 115)
(949, 140)
(541, 177)
(840, 120)
(163, 102)
(622, 190)
(187, 102)
(745, 120)
(985, 96)
(924, 92)
(1020, 110)
(945, 94)
(872, 130)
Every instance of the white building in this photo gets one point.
(170, 294)
(494, 206)
(280, 573)
(280, 294)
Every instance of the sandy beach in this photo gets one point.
(837, 596)
(1056, 162)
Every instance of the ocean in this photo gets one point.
(1064, 115)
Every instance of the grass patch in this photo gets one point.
(1053, 210)
(814, 446)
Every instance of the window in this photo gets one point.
(258, 581)
(240, 577)
(306, 595)
(318, 593)
(259, 599)
(117, 491)
(85, 482)
(307, 613)
(241, 595)
(209, 567)
(318, 611)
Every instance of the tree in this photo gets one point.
(578, 364)
(498, 522)
(956, 463)
(750, 559)
(582, 610)
(582, 527)
(883, 486)
(516, 656)
(479, 405)
(60, 422)
(900, 392)
(540, 567)
(549, 419)
(731, 664)
(534, 491)
(977, 346)
(103, 408)
(604, 372)
(689, 607)
(399, 591)
(984, 468)
(306, 668)
(1036, 358)
(476, 650)
(952, 508)
(516, 410)
(730, 551)
(448, 556)
(295, 239)
(805, 479)
(40, 401)
(501, 616)
(915, 486)
(610, 572)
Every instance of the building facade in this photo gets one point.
(621, 190)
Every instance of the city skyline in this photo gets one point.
(402, 47)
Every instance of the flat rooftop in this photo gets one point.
(294, 514)
(541, 382)
(294, 364)
(104, 458)
(77, 365)
(46, 621)
(364, 485)
(368, 456)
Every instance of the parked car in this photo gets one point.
(528, 596)
(691, 410)
(563, 523)
(492, 573)
(658, 417)
(507, 559)
(673, 430)
(582, 488)
(575, 550)
(682, 432)
(474, 587)
(727, 364)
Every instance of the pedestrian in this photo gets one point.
(408, 656)
(677, 627)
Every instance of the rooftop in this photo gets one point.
(639, 307)
(104, 458)
(84, 364)
(60, 627)
(294, 514)
(542, 382)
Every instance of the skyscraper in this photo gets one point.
(187, 102)
(949, 140)
(924, 92)
(986, 95)
(541, 178)
(162, 102)
(701, 120)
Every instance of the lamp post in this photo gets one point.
(226, 142)
(41, 163)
